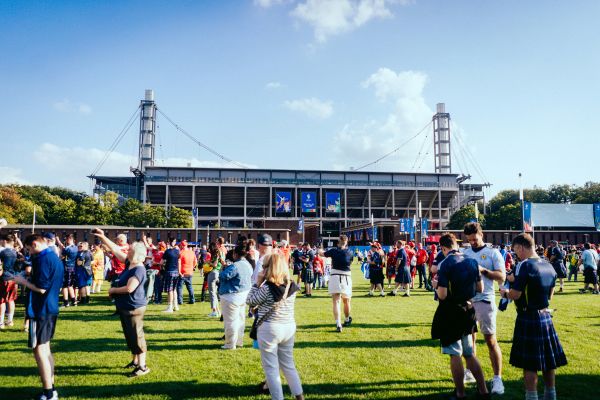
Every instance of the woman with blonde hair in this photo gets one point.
(130, 299)
(97, 268)
(274, 295)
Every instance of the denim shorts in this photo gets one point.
(462, 347)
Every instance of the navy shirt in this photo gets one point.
(402, 258)
(171, 257)
(8, 257)
(70, 255)
(376, 258)
(310, 256)
(296, 254)
(460, 276)
(535, 279)
(137, 298)
(340, 258)
(47, 273)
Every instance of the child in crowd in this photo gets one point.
(97, 268)
(83, 271)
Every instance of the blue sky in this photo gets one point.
(302, 84)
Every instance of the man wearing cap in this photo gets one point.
(265, 247)
(50, 239)
(187, 264)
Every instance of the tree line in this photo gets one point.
(60, 206)
(503, 211)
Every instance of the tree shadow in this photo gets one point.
(384, 344)
(358, 325)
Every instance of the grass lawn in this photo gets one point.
(386, 354)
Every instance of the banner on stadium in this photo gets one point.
(301, 225)
(374, 230)
(527, 220)
(309, 202)
(404, 225)
(333, 202)
(597, 216)
(284, 202)
(424, 227)
(195, 217)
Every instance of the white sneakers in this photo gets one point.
(168, 309)
(497, 385)
(214, 314)
(469, 378)
(176, 307)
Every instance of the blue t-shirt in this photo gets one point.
(296, 254)
(402, 258)
(70, 255)
(340, 258)
(535, 279)
(376, 258)
(8, 257)
(588, 258)
(460, 276)
(310, 256)
(47, 273)
(171, 257)
(137, 298)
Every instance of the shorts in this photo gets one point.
(70, 278)
(340, 284)
(297, 269)
(462, 347)
(485, 314)
(590, 275)
(170, 282)
(8, 291)
(376, 276)
(41, 330)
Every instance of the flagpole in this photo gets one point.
(33, 224)
(522, 199)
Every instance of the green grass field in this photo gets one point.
(386, 354)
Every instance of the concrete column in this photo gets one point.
(219, 209)
(245, 202)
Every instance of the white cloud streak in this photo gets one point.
(67, 106)
(274, 85)
(12, 175)
(402, 93)
(311, 107)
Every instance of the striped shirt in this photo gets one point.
(262, 298)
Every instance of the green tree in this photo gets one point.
(464, 215)
(130, 213)
(507, 217)
(155, 216)
(64, 212)
(179, 218)
(503, 198)
(561, 193)
(588, 193)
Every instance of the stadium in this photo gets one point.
(307, 205)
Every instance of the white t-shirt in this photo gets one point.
(258, 269)
(492, 260)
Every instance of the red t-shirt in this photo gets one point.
(421, 257)
(118, 266)
(318, 265)
(156, 259)
(410, 254)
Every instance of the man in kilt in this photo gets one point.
(308, 273)
(536, 346)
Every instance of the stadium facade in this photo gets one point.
(325, 202)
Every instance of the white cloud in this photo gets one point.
(408, 113)
(312, 107)
(334, 17)
(274, 85)
(268, 3)
(12, 175)
(67, 106)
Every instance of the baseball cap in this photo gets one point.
(265, 240)
(49, 235)
(183, 244)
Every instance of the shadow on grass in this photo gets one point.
(576, 386)
(356, 325)
(383, 344)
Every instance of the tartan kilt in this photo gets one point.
(536, 346)
(308, 276)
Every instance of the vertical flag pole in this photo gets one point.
(33, 224)
(522, 198)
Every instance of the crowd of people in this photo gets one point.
(255, 279)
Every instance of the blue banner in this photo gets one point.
(374, 233)
(424, 227)
(597, 216)
(527, 222)
(309, 202)
(404, 225)
(333, 202)
(412, 228)
(301, 225)
(283, 202)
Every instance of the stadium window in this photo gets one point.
(158, 236)
(279, 237)
(178, 236)
(189, 236)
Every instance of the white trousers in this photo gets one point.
(234, 318)
(276, 343)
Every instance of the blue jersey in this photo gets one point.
(47, 273)
(70, 256)
(460, 276)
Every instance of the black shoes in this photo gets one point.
(338, 329)
(131, 365)
(348, 322)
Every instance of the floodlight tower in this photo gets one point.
(441, 140)
(147, 131)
